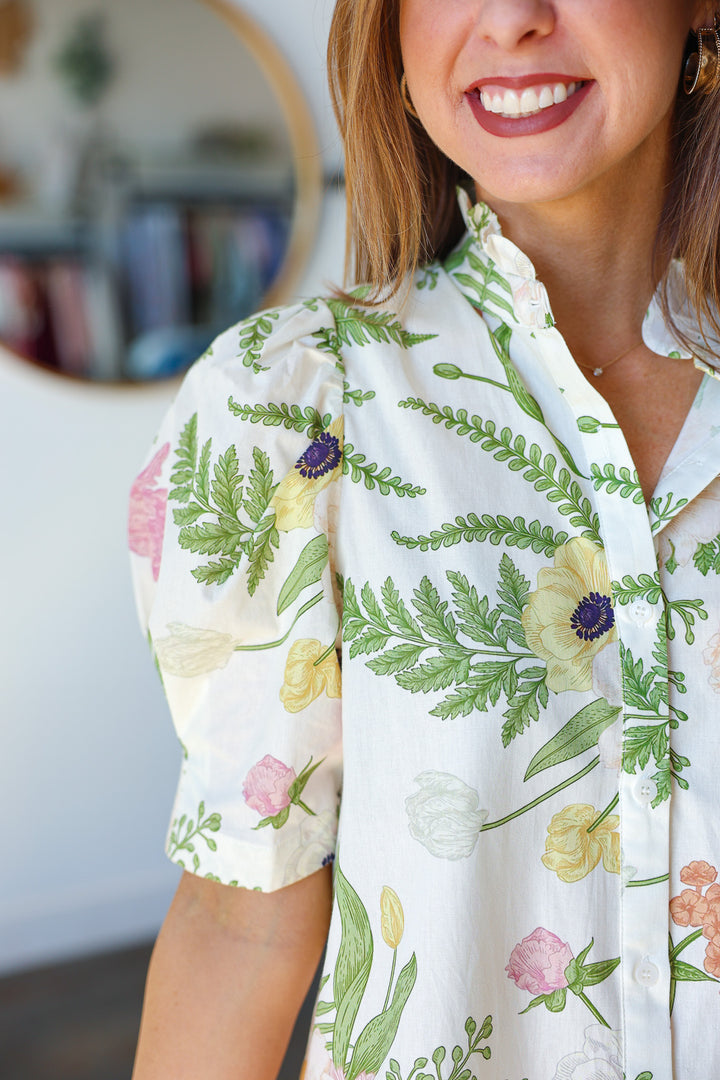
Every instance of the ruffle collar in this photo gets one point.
(505, 282)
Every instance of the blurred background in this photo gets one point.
(166, 168)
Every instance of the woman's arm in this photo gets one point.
(228, 975)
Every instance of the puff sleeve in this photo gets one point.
(231, 536)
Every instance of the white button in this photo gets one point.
(641, 612)
(647, 973)
(645, 790)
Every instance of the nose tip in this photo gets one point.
(513, 23)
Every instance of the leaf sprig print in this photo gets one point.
(538, 470)
(613, 480)
(647, 587)
(357, 326)
(457, 1060)
(478, 651)
(647, 693)
(362, 471)
(209, 519)
(707, 557)
(253, 333)
(356, 397)
(515, 532)
(184, 833)
(663, 513)
(291, 417)
(491, 286)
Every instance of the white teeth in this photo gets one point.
(529, 102)
(532, 100)
(546, 98)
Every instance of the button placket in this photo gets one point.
(645, 828)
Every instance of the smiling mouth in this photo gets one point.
(530, 101)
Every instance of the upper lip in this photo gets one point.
(521, 82)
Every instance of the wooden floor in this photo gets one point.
(79, 1021)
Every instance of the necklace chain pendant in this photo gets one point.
(597, 371)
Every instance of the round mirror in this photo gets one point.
(159, 180)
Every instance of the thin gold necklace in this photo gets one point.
(598, 371)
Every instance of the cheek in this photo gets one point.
(431, 37)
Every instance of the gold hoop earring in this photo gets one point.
(406, 99)
(702, 67)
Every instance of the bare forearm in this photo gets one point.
(227, 978)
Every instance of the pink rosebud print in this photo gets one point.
(146, 521)
(266, 786)
(538, 963)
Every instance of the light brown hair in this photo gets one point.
(402, 209)
(400, 188)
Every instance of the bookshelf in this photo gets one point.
(161, 246)
(169, 253)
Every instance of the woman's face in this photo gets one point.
(536, 99)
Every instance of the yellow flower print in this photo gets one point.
(318, 466)
(393, 918)
(305, 678)
(570, 618)
(572, 852)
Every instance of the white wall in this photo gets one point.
(88, 761)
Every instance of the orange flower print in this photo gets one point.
(698, 874)
(699, 906)
(711, 922)
(689, 908)
(712, 959)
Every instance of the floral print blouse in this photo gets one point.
(523, 774)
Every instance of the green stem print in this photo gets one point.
(589, 425)
(540, 471)
(642, 883)
(459, 1058)
(500, 340)
(605, 814)
(364, 1052)
(184, 832)
(542, 798)
(221, 515)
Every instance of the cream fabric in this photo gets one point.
(527, 750)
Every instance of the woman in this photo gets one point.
(500, 460)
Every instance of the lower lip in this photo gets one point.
(513, 127)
